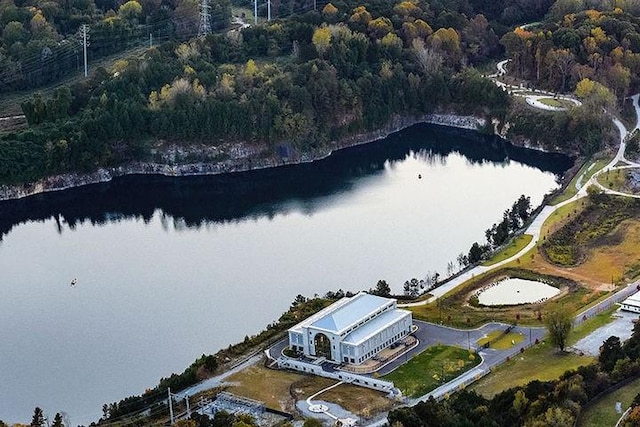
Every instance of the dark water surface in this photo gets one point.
(168, 269)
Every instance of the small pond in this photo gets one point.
(513, 291)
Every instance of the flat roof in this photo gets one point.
(633, 300)
(344, 313)
(375, 326)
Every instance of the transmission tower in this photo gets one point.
(205, 18)
(85, 42)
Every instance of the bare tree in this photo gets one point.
(428, 59)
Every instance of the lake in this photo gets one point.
(168, 269)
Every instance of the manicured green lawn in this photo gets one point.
(558, 103)
(541, 362)
(504, 342)
(514, 247)
(432, 368)
(603, 412)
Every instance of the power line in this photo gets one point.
(205, 18)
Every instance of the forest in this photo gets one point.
(304, 80)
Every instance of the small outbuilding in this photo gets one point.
(632, 303)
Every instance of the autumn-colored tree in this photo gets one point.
(329, 10)
(618, 79)
(322, 39)
(553, 417)
(595, 96)
(407, 9)
(561, 60)
(361, 15)
(380, 27)
(130, 10)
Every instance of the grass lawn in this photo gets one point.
(267, 385)
(358, 400)
(586, 171)
(615, 179)
(590, 325)
(540, 362)
(432, 368)
(514, 247)
(280, 390)
(613, 260)
(529, 365)
(603, 412)
(557, 103)
(504, 342)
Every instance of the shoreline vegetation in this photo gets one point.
(311, 85)
(244, 159)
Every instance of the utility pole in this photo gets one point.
(315, 4)
(205, 18)
(186, 397)
(255, 12)
(170, 404)
(150, 39)
(85, 30)
(268, 10)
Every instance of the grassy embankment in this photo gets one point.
(513, 248)
(432, 368)
(502, 342)
(619, 180)
(584, 174)
(527, 367)
(609, 251)
(603, 412)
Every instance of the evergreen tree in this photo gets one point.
(38, 418)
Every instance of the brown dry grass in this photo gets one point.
(281, 389)
(358, 400)
(605, 266)
(267, 385)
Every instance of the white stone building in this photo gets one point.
(351, 330)
(632, 303)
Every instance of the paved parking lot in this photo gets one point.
(621, 327)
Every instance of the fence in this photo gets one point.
(619, 296)
(347, 377)
(445, 390)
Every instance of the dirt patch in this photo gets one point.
(610, 262)
(266, 385)
(358, 400)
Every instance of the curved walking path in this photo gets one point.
(535, 227)
(534, 230)
(533, 100)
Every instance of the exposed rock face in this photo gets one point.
(178, 160)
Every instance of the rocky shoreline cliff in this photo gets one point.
(177, 160)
